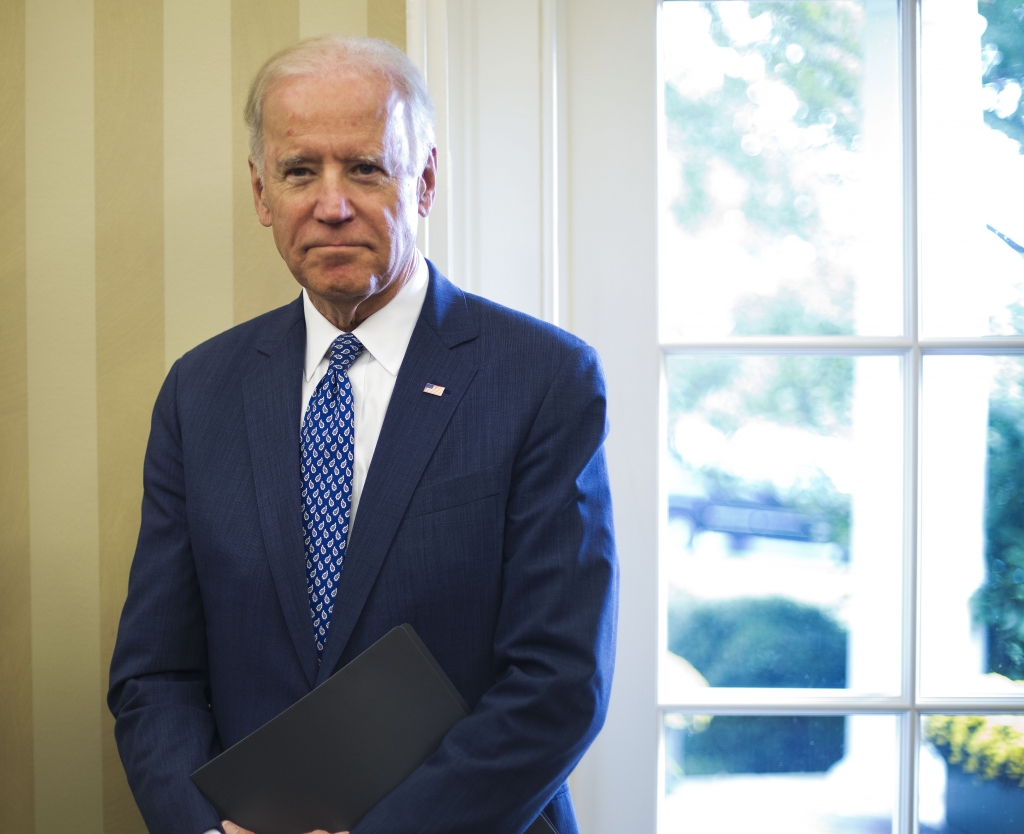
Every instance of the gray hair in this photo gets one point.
(330, 55)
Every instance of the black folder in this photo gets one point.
(331, 756)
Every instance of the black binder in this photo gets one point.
(366, 728)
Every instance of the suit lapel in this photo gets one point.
(272, 394)
(412, 428)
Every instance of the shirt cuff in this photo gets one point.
(213, 831)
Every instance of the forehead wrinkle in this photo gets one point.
(381, 106)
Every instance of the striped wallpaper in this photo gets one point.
(127, 235)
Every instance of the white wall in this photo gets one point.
(612, 220)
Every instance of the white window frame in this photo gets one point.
(909, 705)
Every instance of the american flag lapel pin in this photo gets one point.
(431, 388)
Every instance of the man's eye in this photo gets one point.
(298, 172)
(366, 169)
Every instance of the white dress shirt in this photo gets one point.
(385, 336)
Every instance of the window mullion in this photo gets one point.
(909, 724)
(911, 574)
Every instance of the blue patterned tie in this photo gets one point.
(328, 449)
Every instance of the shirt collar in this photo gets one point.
(385, 335)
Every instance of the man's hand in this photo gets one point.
(230, 828)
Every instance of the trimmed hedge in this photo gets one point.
(758, 641)
(768, 642)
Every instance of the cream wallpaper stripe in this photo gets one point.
(326, 17)
(259, 28)
(17, 805)
(197, 166)
(61, 323)
(129, 316)
(386, 19)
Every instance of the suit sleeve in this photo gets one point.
(159, 691)
(554, 644)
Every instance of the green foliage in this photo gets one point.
(1016, 317)
(828, 77)
(819, 497)
(784, 314)
(811, 392)
(771, 641)
(765, 744)
(999, 604)
(825, 80)
(1003, 53)
(695, 380)
(814, 49)
(992, 747)
(702, 131)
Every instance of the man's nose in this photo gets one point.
(333, 204)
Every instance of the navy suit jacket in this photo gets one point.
(485, 522)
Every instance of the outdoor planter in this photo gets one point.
(985, 771)
(976, 806)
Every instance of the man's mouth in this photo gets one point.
(327, 245)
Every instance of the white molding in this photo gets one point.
(551, 163)
(439, 226)
(611, 216)
(416, 49)
(464, 259)
(506, 181)
(426, 39)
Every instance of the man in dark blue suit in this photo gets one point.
(476, 472)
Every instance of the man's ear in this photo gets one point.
(259, 196)
(427, 185)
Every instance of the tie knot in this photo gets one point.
(344, 351)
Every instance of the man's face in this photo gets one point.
(339, 189)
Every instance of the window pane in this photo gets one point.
(971, 167)
(971, 772)
(972, 608)
(781, 184)
(785, 774)
(783, 548)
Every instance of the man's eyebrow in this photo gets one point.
(368, 159)
(293, 161)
